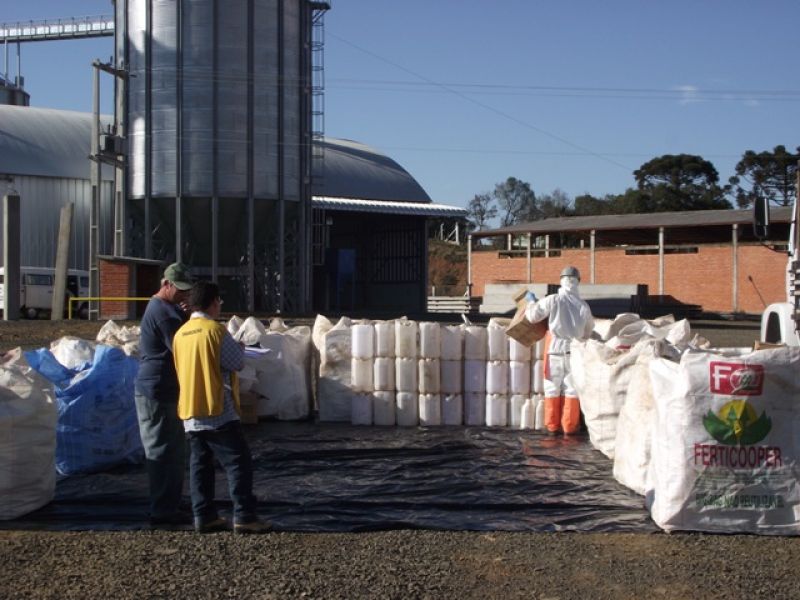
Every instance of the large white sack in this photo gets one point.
(591, 365)
(725, 452)
(233, 325)
(663, 328)
(28, 415)
(73, 352)
(282, 376)
(250, 332)
(636, 416)
(334, 394)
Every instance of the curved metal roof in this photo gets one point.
(55, 143)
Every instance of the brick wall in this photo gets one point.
(115, 282)
(703, 278)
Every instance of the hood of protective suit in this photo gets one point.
(570, 285)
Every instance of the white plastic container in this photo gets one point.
(519, 377)
(361, 409)
(430, 342)
(497, 342)
(528, 416)
(515, 407)
(496, 410)
(429, 376)
(430, 409)
(537, 383)
(363, 340)
(452, 409)
(475, 408)
(407, 412)
(475, 343)
(539, 412)
(452, 376)
(518, 352)
(475, 376)
(405, 374)
(383, 408)
(384, 338)
(362, 372)
(383, 374)
(497, 377)
(405, 338)
(452, 338)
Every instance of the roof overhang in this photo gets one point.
(418, 209)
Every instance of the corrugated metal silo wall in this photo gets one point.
(219, 130)
(41, 199)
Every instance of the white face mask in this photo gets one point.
(570, 283)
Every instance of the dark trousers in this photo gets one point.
(164, 444)
(230, 448)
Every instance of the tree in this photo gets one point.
(767, 174)
(518, 201)
(554, 204)
(481, 210)
(681, 182)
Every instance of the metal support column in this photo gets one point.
(735, 275)
(661, 261)
(11, 256)
(592, 257)
(469, 265)
(530, 265)
(94, 214)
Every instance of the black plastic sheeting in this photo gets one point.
(326, 477)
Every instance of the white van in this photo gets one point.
(36, 291)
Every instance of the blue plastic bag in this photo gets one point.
(97, 426)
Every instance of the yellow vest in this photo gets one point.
(196, 350)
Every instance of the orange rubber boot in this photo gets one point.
(571, 418)
(552, 413)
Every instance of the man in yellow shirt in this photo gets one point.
(206, 361)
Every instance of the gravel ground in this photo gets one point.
(393, 564)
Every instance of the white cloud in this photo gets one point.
(689, 94)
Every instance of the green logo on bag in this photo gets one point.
(737, 424)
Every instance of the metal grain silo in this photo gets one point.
(218, 126)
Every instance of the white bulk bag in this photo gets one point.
(28, 415)
(407, 409)
(334, 394)
(233, 325)
(519, 377)
(452, 341)
(73, 352)
(361, 409)
(283, 374)
(384, 338)
(496, 410)
(452, 376)
(430, 410)
(475, 376)
(452, 409)
(383, 408)
(383, 376)
(429, 376)
(406, 374)
(475, 343)
(363, 340)
(475, 408)
(592, 364)
(250, 332)
(406, 334)
(497, 340)
(725, 452)
(430, 341)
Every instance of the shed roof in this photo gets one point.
(681, 219)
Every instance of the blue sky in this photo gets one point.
(573, 95)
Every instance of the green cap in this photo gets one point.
(178, 275)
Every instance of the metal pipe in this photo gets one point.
(592, 257)
(661, 261)
(735, 275)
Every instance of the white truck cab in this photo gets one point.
(36, 290)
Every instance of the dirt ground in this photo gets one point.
(391, 564)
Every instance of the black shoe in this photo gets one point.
(217, 524)
(175, 519)
(252, 527)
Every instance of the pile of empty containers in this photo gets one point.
(412, 373)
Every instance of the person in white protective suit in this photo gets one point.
(568, 317)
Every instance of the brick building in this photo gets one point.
(706, 258)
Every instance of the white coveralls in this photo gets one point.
(568, 317)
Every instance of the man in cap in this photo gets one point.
(568, 317)
(157, 397)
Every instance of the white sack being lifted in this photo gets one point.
(725, 454)
(28, 416)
